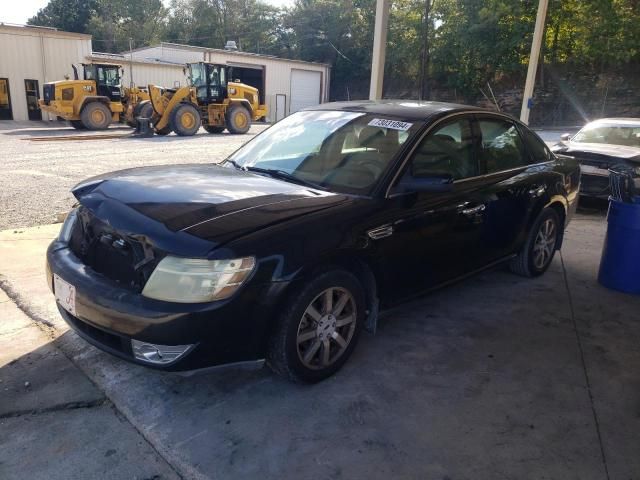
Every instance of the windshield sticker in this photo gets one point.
(392, 124)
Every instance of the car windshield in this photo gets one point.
(345, 152)
(628, 135)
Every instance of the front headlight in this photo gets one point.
(195, 280)
(67, 226)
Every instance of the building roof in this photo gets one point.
(179, 46)
(124, 60)
(19, 29)
(408, 109)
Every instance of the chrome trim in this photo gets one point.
(462, 180)
(380, 232)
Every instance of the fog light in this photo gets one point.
(158, 354)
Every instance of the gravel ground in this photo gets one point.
(35, 176)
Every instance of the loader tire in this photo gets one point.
(77, 124)
(185, 120)
(238, 119)
(96, 116)
(213, 129)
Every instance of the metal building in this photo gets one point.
(30, 57)
(286, 86)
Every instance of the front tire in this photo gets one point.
(185, 120)
(538, 251)
(77, 124)
(96, 116)
(318, 328)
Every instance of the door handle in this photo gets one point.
(474, 210)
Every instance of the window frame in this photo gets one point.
(445, 122)
(524, 150)
(473, 116)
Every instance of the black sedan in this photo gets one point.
(601, 145)
(288, 249)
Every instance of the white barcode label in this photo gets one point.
(392, 124)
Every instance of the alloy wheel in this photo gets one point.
(545, 243)
(326, 328)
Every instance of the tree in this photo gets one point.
(69, 15)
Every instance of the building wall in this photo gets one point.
(148, 73)
(37, 54)
(277, 70)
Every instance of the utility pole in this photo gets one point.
(424, 57)
(131, 62)
(527, 98)
(379, 49)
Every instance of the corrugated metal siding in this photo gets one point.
(145, 74)
(277, 71)
(37, 55)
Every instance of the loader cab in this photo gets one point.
(107, 78)
(209, 80)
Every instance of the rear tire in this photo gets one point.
(185, 120)
(212, 129)
(238, 119)
(314, 336)
(539, 249)
(77, 124)
(96, 116)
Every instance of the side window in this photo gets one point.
(446, 151)
(538, 151)
(501, 147)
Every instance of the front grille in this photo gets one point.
(107, 340)
(48, 93)
(594, 185)
(118, 257)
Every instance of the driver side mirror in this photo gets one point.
(432, 183)
(565, 137)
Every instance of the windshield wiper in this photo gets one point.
(283, 175)
(236, 164)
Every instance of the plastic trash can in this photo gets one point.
(620, 262)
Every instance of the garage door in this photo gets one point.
(305, 89)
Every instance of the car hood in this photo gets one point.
(208, 201)
(618, 151)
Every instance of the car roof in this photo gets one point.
(618, 121)
(408, 109)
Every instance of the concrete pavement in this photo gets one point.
(495, 377)
(55, 423)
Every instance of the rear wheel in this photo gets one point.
(536, 255)
(212, 129)
(238, 119)
(77, 124)
(185, 120)
(96, 116)
(318, 327)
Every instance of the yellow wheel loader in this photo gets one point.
(95, 101)
(210, 101)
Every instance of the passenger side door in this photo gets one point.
(425, 238)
